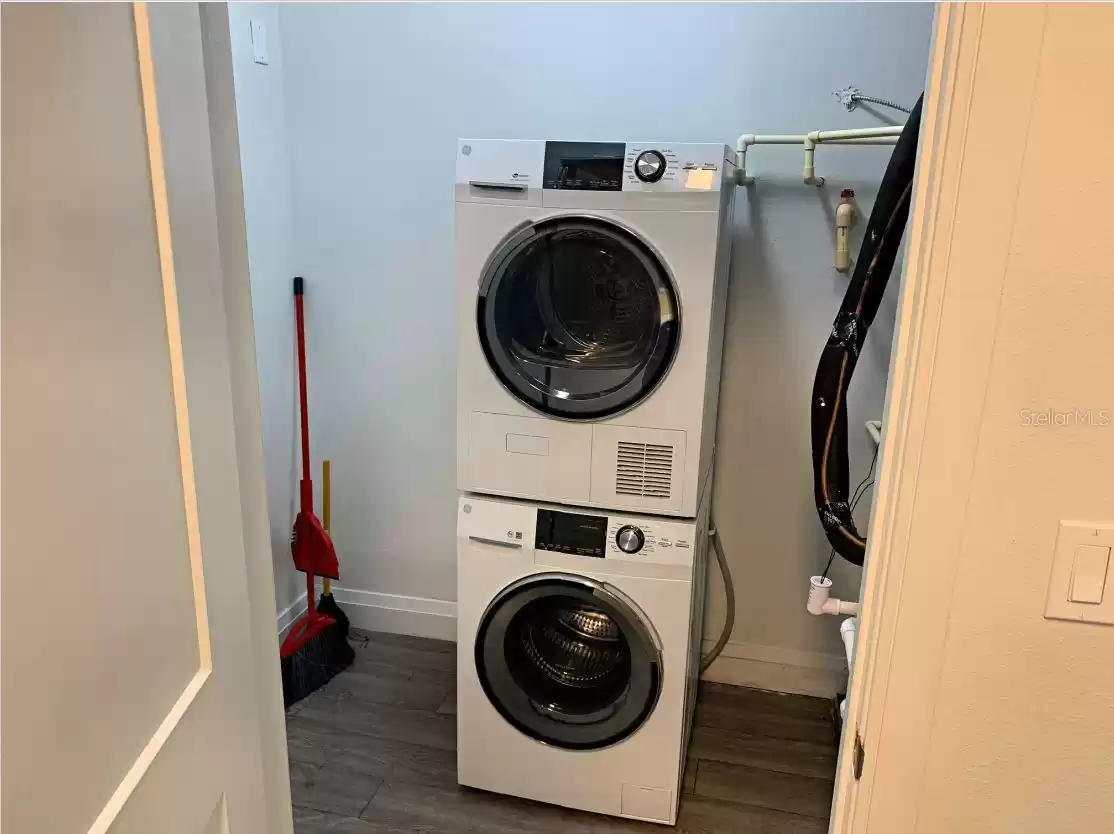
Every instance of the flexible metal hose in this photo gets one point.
(729, 590)
(884, 102)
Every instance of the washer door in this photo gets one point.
(577, 317)
(568, 661)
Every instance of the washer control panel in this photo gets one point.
(650, 540)
(635, 539)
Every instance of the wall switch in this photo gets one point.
(1080, 570)
(259, 43)
(1088, 574)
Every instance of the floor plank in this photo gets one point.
(412, 807)
(765, 702)
(308, 821)
(385, 721)
(448, 706)
(412, 693)
(331, 787)
(317, 822)
(425, 766)
(764, 788)
(427, 655)
(406, 641)
(374, 751)
(726, 716)
(803, 758)
(709, 816)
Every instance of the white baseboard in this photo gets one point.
(778, 669)
(290, 613)
(419, 616)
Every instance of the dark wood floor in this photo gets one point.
(374, 751)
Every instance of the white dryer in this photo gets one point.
(592, 285)
(577, 655)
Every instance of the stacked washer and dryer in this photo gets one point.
(592, 284)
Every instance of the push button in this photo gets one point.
(1088, 573)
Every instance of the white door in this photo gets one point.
(130, 696)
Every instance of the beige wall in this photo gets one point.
(995, 718)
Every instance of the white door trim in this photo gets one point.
(959, 239)
(900, 455)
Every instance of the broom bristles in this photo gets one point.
(324, 655)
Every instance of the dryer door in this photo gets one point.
(577, 317)
(568, 661)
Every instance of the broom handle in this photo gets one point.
(299, 313)
(311, 591)
(326, 512)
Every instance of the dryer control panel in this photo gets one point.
(638, 167)
(632, 166)
(599, 536)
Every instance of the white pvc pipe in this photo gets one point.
(820, 136)
(887, 135)
(748, 139)
(820, 600)
(847, 631)
(859, 136)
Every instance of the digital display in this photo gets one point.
(580, 535)
(584, 166)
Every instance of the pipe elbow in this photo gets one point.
(819, 590)
(745, 141)
(820, 600)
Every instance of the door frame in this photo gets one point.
(939, 371)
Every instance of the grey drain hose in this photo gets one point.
(729, 590)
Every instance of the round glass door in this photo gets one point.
(568, 662)
(577, 317)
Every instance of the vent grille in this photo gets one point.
(644, 469)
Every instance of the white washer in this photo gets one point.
(577, 654)
(592, 286)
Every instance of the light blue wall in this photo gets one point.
(265, 168)
(377, 96)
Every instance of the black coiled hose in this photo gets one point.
(837, 363)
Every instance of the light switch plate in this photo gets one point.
(1059, 606)
(259, 51)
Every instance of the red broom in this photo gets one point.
(316, 648)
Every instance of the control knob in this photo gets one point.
(649, 167)
(630, 539)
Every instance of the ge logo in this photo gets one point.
(466, 150)
(510, 534)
